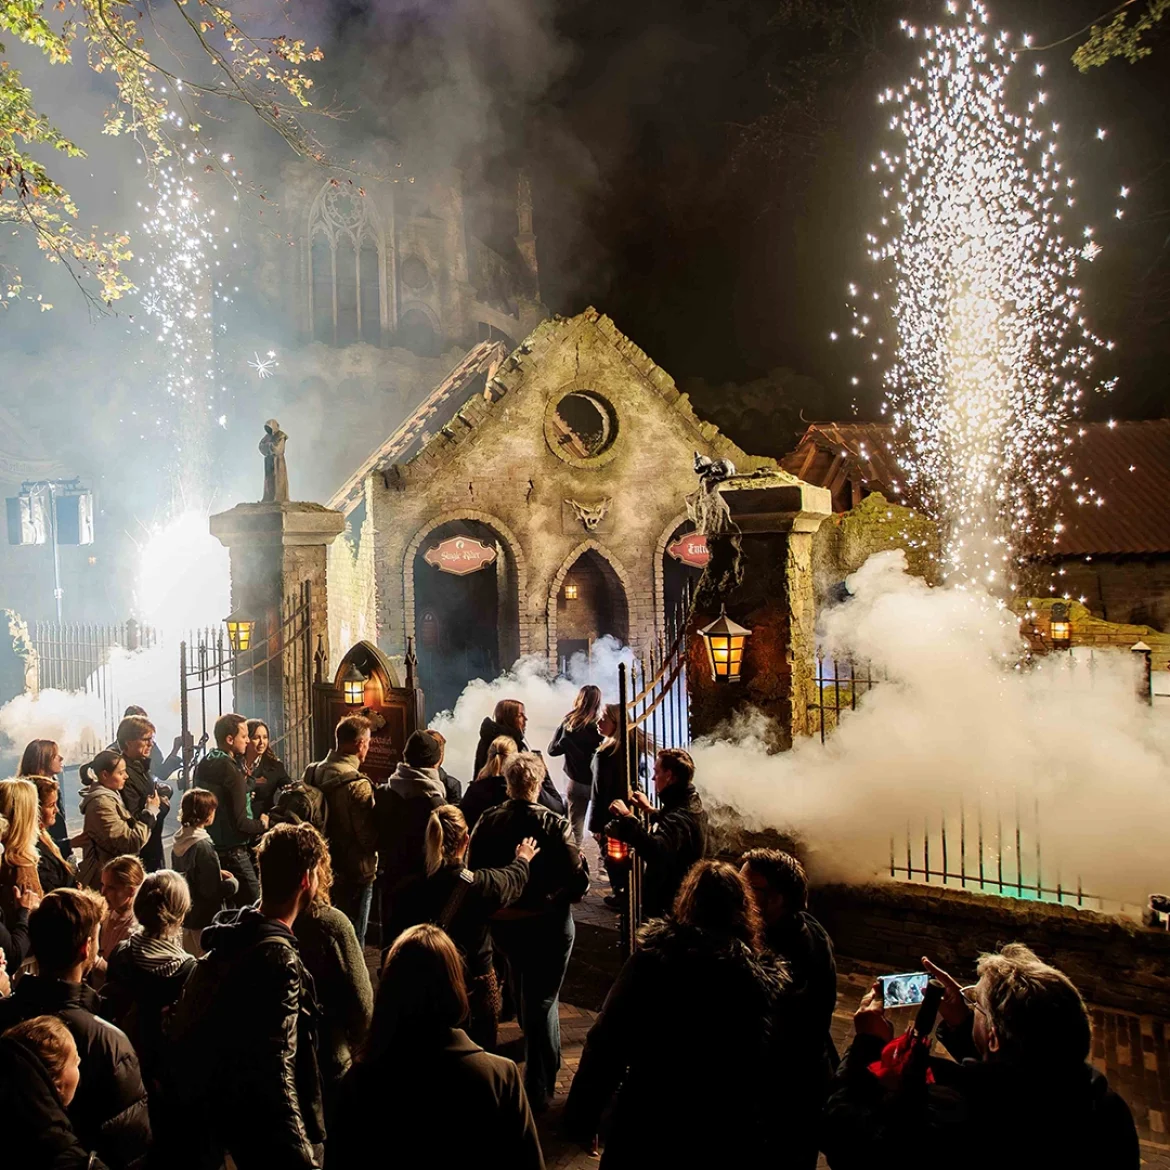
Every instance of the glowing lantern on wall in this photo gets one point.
(725, 641)
(353, 686)
(239, 631)
(1059, 627)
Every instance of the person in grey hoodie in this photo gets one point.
(193, 855)
(403, 807)
(110, 829)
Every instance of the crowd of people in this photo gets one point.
(155, 1016)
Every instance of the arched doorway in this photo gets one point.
(466, 608)
(590, 603)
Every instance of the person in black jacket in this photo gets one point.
(510, 719)
(243, 1033)
(577, 739)
(267, 774)
(193, 855)
(135, 740)
(677, 834)
(688, 1026)
(1020, 1092)
(462, 901)
(488, 788)
(234, 828)
(109, 1112)
(55, 867)
(39, 1075)
(536, 933)
(610, 783)
(421, 1077)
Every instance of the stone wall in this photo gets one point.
(1122, 589)
(1093, 632)
(352, 614)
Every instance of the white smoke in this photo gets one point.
(77, 722)
(954, 730)
(547, 700)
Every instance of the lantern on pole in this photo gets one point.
(353, 686)
(239, 631)
(1059, 627)
(725, 641)
(616, 850)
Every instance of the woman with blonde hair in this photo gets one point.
(577, 739)
(55, 868)
(20, 807)
(420, 1072)
(487, 789)
(121, 879)
(462, 902)
(610, 783)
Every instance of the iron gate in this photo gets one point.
(271, 681)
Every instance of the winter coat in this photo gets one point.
(609, 784)
(578, 747)
(804, 945)
(329, 949)
(139, 786)
(244, 1042)
(453, 787)
(489, 729)
(110, 829)
(488, 890)
(11, 876)
(557, 875)
(44, 1136)
(350, 827)
(472, 1103)
(482, 794)
(690, 1008)
(402, 807)
(109, 1112)
(14, 937)
(234, 825)
(675, 840)
(194, 856)
(269, 776)
(55, 868)
(980, 1112)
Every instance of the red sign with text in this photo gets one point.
(460, 555)
(691, 550)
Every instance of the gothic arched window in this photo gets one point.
(345, 268)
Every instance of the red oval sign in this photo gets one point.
(460, 555)
(691, 549)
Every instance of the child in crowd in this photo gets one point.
(120, 881)
(193, 855)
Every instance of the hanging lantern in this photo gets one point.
(353, 686)
(725, 642)
(1059, 627)
(616, 850)
(239, 631)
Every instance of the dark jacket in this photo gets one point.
(56, 871)
(402, 807)
(980, 1112)
(245, 1042)
(109, 1113)
(608, 785)
(350, 826)
(472, 1104)
(268, 777)
(234, 824)
(453, 787)
(804, 945)
(687, 1008)
(14, 937)
(139, 787)
(489, 729)
(38, 1133)
(341, 981)
(557, 875)
(489, 890)
(194, 856)
(578, 748)
(489, 791)
(675, 840)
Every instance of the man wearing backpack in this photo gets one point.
(349, 824)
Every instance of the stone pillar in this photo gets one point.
(763, 575)
(275, 548)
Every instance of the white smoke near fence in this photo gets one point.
(547, 699)
(1065, 751)
(76, 721)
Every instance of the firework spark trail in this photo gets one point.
(992, 348)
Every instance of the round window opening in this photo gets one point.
(585, 425)
(414, 273)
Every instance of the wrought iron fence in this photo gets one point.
(77, 657)
(839, 687)
(271, 681)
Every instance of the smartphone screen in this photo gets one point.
(907, 990)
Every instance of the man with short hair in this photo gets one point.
(108, 1113)
(1019, 1094)
(403, 806)
(536, 932)
(350, 826)
(243, 1030)
(135, 740)
(676, 836)
(221, 771)
(453, 787)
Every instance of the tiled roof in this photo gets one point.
(1125, 464)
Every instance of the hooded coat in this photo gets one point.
(350, 828)
(402, 807)
(691, 1012)
(109, 1113)
(110, 829)
(193, 855)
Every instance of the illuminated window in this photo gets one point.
(570, 592)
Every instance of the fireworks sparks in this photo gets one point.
(264, 366)
(992, 349)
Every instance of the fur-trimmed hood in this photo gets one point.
(676, 943)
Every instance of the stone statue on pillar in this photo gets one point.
(275, 470)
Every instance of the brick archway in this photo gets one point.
(558, 580)
(507, 537)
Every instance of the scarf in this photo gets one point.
(157, 956)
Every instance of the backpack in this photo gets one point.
(301, 802)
